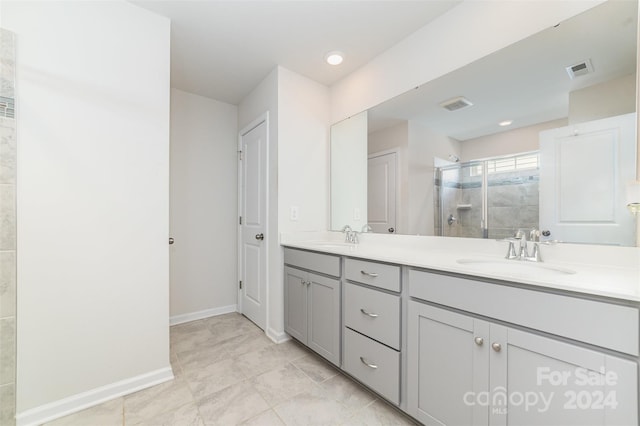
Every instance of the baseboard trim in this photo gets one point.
(193, 316)
(277, 336)
(78, 402)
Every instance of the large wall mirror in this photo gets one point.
(539, 134)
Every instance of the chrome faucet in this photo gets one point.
(523, 245)
(350, 236)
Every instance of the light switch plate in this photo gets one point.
(293, 213)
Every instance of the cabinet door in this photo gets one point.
(323, 317)
(447, 366)
(295, 303)
(545, 381)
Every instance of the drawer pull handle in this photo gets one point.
(496, 347)
(369, 314)
(369, 274)
(368, 364)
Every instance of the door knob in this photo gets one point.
(546, 233)
(171, 240)
(260, 236)
(391, 230)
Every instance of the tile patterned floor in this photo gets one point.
(227, 372)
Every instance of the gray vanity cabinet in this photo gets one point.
(465, 370)
(312, 301)
(372, 326)
(444, 363)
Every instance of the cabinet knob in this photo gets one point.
(368, 364)
(496, 347)
(479, 341)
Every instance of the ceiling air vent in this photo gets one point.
(456, 103)
(581, 68)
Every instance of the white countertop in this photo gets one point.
(607, 271)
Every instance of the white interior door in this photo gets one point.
(381, 192)
(253, 236)
(583, 172)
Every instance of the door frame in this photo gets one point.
(398, 188)
(262, 118)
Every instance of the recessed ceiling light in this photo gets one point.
(334, 58)
(505, 123)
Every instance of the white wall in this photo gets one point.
(349, 173)
(608, 99)
(204, 144)
(303, 152)
(466, 33)
(510, 142)
(424, 145)
(93, 202)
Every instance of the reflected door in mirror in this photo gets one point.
(381, 192)
(584, 168)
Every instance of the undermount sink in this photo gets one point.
(514, 267)
(332, 244)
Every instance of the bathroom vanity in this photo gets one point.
(453, 334)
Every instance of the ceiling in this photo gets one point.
(525, 82)
(224, 49)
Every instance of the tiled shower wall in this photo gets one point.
(7, 230)
(512, 202)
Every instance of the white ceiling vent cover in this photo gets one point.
(456, 103)
(581, 68)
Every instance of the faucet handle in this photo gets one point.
(366, 228)
(511, 250)
(535, 256)
(534, 234)
(346, 228)
(520, 234)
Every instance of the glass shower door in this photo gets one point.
(489, 198)
(460, 194)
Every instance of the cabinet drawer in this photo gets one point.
(318, 262)
(383, 372)
(599, 323)
(373, 313)
(373, 273)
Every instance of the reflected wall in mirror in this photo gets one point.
(578, 72)
(349, 173)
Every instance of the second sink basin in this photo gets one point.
(514, 267)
